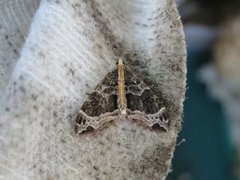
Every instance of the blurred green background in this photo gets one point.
(208, 151)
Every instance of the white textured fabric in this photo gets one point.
(70, 47)
(15, 19)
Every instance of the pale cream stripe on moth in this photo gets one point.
(122, 100)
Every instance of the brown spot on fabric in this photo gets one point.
(34, 97)
(95, 168)
(35, 107)
(22, 89)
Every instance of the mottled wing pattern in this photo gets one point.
(100, 107)
(142, 103)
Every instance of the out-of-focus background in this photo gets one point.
(209, 143)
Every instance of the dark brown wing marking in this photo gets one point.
(143, 104)
(101, 105)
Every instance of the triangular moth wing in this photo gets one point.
(100, 106)
(142, 103)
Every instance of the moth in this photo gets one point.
(120, 95)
